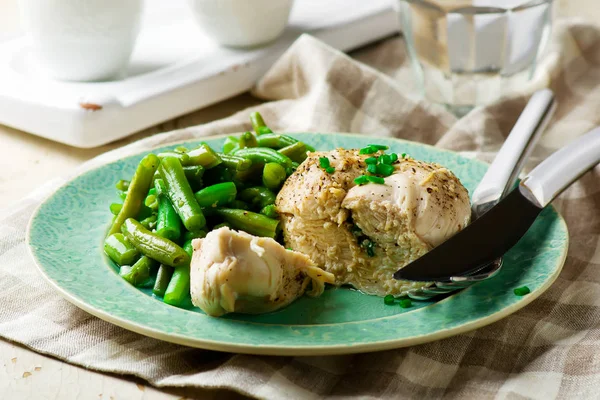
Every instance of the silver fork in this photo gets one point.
(499, 179)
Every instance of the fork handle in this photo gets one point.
(502, 174)
(562, 168)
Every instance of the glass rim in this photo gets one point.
(479, 10)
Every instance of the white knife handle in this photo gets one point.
(504, 170)
(562, 168)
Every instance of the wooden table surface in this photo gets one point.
(26, 162)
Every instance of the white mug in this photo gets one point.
(242, 23)
(82, 40)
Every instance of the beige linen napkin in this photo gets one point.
(549, 349)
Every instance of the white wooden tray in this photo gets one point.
(174, 70)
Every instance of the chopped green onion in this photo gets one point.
(356, 231)
(372, 168)
(369, 246)
(371, 160)
(394, 157)
(522, 291)
(368, 150)
(385, 159)
(361, 180)
(385, 169)
(376, 179)
(388, 299)
(262, 130)
(324, 162)
(122, 185)
(330, 170)
(405, 303)
(378, 146)
(403, 155)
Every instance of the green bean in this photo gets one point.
(183, 158)
(163, 277)
(221, 225)
(273, 175)
(258, 124)
(258, 196)
(253, 223)
(147, 208)
(178, 291)
(160, 187)
(264, 155)
(276, 141)
(270, 140)
(217, 175)
(296, 151)
(270, 211)
(242, 205)
(154, 246)
(188, 248)
(115, 208)
(181, 149)
(209, 211)
(181, 195)
(150, 222)
(251, 176)
(193, 174)
(189, 236)
(120, 250)
(230, 143)
(139, 273)
(235, 162)
(151, 201)
(138, 188)
(145, 212)
(168, 224)
(216, 195)
(203, 155)
(247, 140)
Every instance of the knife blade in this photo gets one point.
(500, 228)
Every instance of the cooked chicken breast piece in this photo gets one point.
(236, 272)
(332, 220)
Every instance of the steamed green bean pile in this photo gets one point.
(180, 195)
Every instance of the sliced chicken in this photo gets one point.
(236, 272)
(333, 221)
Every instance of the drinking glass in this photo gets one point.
(469, 53)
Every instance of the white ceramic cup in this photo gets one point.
(82, 40)
(242, 23)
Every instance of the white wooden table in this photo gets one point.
(26, 162)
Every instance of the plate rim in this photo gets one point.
(285, 350)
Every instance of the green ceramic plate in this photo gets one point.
(66, 233)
